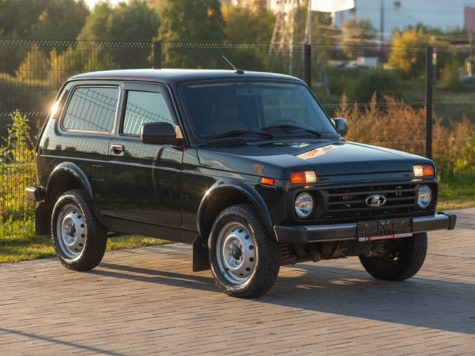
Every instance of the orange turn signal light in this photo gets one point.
(303, 177)
(268, 181)
(423, 170)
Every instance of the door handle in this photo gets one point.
(117, 149)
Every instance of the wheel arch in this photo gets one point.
(222, 195)
(64, 177)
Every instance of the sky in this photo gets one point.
(92, 3)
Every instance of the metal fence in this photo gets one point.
(32, 71)
(382, 105)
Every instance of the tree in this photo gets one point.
(191, 22)
(61, 20)
(450, 75)
(157, 5)
(3, 4)
(76, 60)
(133, 22)
(408, 51)
(64, 65)
(38, 19)
(35, 66)
(97, 26)
(17, 17)
(258, 22)
(358, 37)
(42, 19)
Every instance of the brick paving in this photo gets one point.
(147, 302)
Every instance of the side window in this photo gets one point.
(144, 107)
(91, 109)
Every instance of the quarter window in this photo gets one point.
(143, 108)
(91, 109)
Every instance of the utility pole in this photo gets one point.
(308, 48)
(283, 35)
(381, 33)
(309, 23)
(429, 99)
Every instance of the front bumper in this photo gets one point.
(349, 231)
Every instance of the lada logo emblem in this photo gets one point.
(375, 201)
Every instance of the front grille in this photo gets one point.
(349, 203)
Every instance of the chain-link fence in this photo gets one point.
(381, 92)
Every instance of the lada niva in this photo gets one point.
(245, 166)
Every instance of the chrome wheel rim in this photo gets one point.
(236, 253)
(70, 231)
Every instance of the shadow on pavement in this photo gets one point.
(418, 301)
(194, 281)
(78, 347)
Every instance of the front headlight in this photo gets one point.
(424, 196)
(304, 205)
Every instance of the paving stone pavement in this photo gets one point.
(147, 301)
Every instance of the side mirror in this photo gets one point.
(341, 126)
(160, 133)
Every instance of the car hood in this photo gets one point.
(328, 158)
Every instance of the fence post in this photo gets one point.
(429, 99)
(308, 64)
(157, 55)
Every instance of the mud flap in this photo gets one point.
(200, 256)
(43, 219)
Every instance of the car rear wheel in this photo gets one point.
(403, 259)
(244, 257)
(79, 238)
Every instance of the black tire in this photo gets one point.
(405, 258)
(244, 257)
(79, 238)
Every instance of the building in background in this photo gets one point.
(469, 19)
(389, 15)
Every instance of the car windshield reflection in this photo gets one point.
(260, 110)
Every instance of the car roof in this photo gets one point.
(177, 76)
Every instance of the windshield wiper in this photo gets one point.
(236, 133)
(288, 128)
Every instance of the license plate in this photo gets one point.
(384, 229)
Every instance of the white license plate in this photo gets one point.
(384, 229)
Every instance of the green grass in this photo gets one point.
(448, 104)
(18, 243)
(457, 192)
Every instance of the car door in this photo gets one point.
(143, 181)
(84, 131)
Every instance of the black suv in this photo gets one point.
(246, 166)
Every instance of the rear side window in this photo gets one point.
(142, 108)
(91, 109)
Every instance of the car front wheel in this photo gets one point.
(244, 257)
(402, 260)
(79, 238)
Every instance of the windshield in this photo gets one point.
(257, 110)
